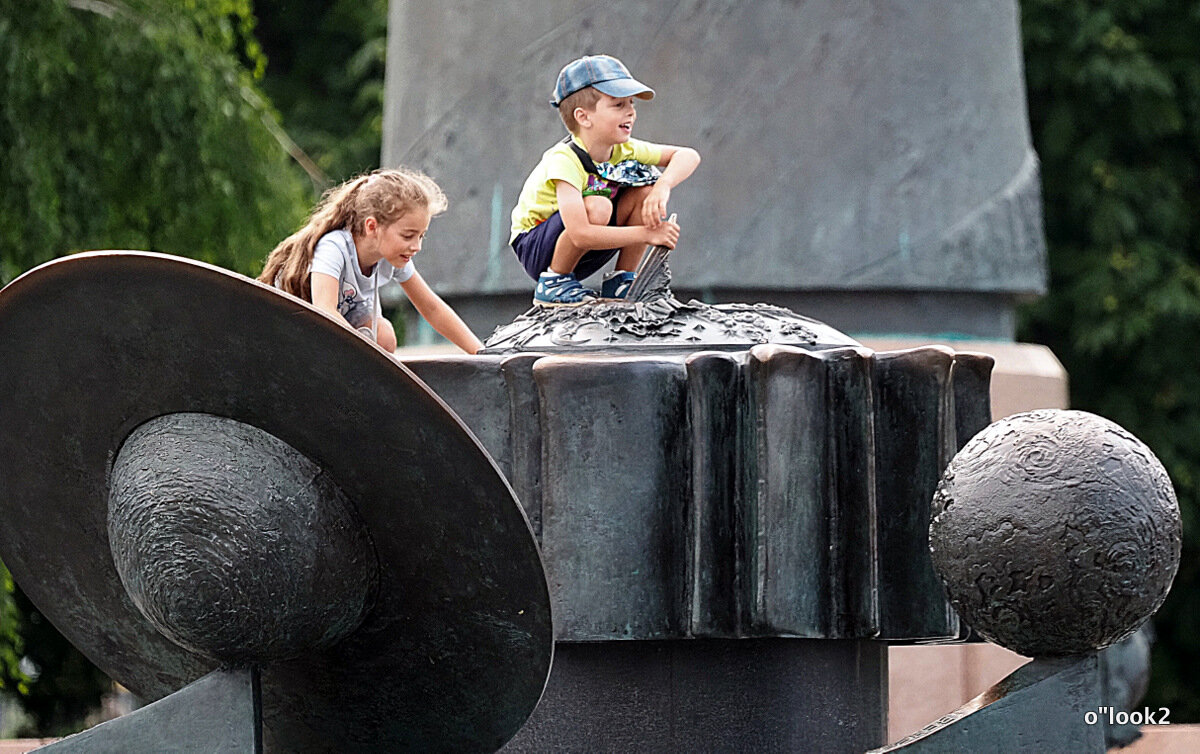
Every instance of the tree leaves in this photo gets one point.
(11, 644)
(1114, 98)
(326, 75)
(132, 124)
(125, 126)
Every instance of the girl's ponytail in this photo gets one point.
(382, 194)
(287, 266)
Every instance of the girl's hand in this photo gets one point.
(654, 209)
(666, 234)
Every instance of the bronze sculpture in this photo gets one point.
(416, 610)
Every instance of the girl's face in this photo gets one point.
(399, 241)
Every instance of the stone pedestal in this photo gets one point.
(760, 695)
(732, 536)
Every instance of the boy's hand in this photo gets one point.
(654, 209)
(666, 234)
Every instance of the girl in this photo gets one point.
(362, 234)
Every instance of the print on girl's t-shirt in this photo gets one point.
(354, 309)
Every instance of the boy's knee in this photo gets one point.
(599, 209)
(628, 202)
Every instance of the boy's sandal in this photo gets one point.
(617, 285)
(561, 290)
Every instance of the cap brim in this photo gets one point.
(456, 651)
(625, 88)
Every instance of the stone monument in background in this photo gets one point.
(866, 164)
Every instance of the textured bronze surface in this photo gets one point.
(233, 544)
(775, 491)
(456, 650)
(1055, 532)
(732, 537)
(661, 323)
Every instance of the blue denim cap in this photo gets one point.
(603, 72)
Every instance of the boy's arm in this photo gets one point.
(678, 163)
(586, 235)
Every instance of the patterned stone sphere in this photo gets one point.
(233, 544)
(1055, 533)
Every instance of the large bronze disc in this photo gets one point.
(454, 653)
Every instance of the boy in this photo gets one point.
(595, 195)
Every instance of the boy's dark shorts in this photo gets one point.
(535, 249)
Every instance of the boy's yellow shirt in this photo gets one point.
(539, 197)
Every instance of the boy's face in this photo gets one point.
(611, 121)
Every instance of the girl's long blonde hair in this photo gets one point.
(383, 194)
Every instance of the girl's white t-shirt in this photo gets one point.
(336, 256)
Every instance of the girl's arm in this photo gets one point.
(325, 293)
(439, 314)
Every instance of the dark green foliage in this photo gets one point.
(12, 646)
(135, 124)
(1114, 98)
(128, 124)
(325, 74)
